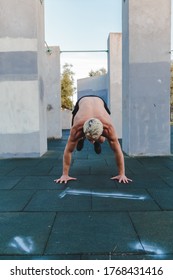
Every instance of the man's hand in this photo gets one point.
(121, 179)
(64, 179)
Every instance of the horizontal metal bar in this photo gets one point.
(84, 51)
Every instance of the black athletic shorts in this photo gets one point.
(76, 107)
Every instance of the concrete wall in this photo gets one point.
(146, 77)
(22, 100)
(66, 119)
(115, 80)
(93, 86)
(53, 93)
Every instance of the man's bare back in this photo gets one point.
(91, 108)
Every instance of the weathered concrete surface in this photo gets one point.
(23, 121)
(146, 77)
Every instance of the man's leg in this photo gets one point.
(97, 147)
(80, 144)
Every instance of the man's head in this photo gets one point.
(93, 128)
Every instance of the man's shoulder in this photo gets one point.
(76, 132)
(109, 131)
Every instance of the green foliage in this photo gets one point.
(101, 71)
(67, 87)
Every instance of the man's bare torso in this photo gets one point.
(91, 107)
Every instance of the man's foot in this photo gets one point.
(97, 147)
(80, 145)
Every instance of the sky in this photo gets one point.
(82, 25)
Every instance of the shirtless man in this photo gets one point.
(91, 120)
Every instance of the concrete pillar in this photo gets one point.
(53, 92)
(146, 77)
(23, 131)
(115, 79)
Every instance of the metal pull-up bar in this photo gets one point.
(84, 51)
(75, 51)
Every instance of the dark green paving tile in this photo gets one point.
(22, 171)
(146, 177)
(80, 155)
(4, 162)
(56, 170)
(29, 162)
(40, 257)
(9, 182)
(147, 181)
(15, 167)
(4, 170)
(105, 153)
(122, 200)
(58, 201)
(125, 256)
(164, 198)
(105, 150)
(163, 171)
(168, 180)
(95, 257)
(155, 184)
(152, 161)
(14, 200)
(105, 156)
(169, 163)
(53, 154)
(134, 165)
(40, 170)
(58, 257)
(75, 233)
(155, 231)
(101, 169)
(142, 257)
(74, 171)
(38, 182)
(94, 181)
(47, 163)
(86, 162)
(110, 160)
(24, 233)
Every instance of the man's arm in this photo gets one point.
(70, 146)
(75, 134)
(119, 157)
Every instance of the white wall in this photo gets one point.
(66, 119)
(53, 93)
(22, 99)
(146, 77)
(115, 80)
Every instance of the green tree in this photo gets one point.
(101, 71)
(67, 87)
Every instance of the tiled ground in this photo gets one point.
(91, 218)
